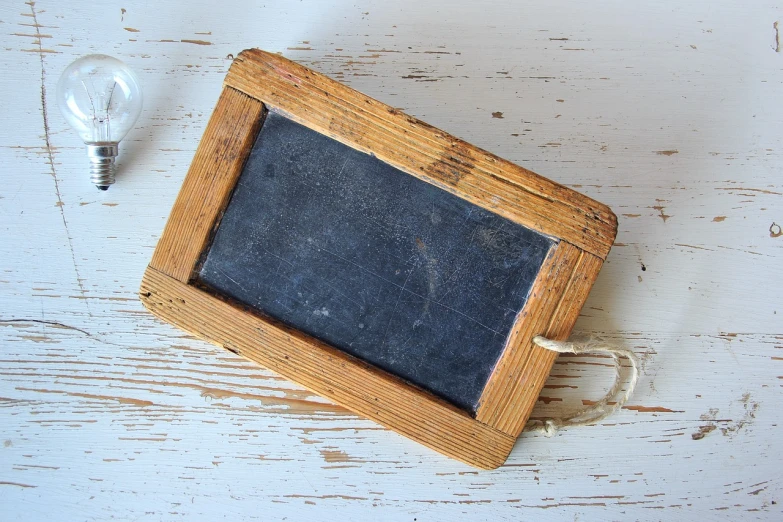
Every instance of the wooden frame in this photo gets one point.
(258, 81)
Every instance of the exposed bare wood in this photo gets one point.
(562, 321)
(218, 162)
(509, 395)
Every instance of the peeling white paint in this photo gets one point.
(669, 113)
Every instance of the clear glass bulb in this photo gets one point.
(101, 98)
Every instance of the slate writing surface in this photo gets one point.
(373, 261)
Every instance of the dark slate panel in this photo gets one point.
(373, 261)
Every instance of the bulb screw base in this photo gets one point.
(102, 166)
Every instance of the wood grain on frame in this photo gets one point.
(506, 393)
(327, 371)
(216, 166)
(424, 151)
(551, 311)
(540, 361)
(585, 230)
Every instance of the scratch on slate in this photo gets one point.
(231, 279)
(343, 295)
(50, 155)
(360, 267)
(777, 36)
(343, 167)
(396, 304)
(276, 256)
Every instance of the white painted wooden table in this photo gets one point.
(671, 113)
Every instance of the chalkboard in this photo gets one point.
(376, 260)
(373, 261)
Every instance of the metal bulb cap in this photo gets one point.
(102, 166)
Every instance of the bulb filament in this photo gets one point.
(100, 116)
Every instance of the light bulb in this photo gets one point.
(100, 97)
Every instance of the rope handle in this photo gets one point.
(601, 409)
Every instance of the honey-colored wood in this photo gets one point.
(584, 229)
(219, 159)
(327, 371)
(552, 309)
(540, 361)
(505, 394)
(423, 151)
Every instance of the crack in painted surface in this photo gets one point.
(50, 155)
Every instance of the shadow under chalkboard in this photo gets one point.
(373, 261)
